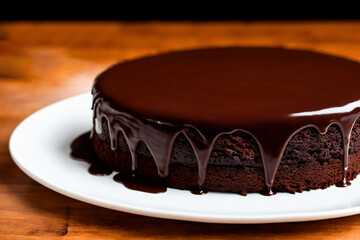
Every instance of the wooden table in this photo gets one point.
(42, 62)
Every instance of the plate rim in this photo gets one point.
(171, 214)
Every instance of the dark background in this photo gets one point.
(173, 10)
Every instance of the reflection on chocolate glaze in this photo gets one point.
(270, 93)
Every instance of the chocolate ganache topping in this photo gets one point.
(269, 93)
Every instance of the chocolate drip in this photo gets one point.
(347, 123)
(268, 192)
(270, 93)
(160, 137)
(202, 148)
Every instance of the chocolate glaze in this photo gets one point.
(270, 93)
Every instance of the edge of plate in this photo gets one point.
(168, 214)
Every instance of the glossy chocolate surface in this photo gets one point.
(270, 93)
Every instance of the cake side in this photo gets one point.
(310, 161)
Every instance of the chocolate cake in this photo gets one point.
(239, 119)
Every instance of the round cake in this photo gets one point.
(239, 119)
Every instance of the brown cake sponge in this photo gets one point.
(310, 161)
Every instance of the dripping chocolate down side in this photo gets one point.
(269, 93)
(82, 150)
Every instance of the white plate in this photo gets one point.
(40, 146)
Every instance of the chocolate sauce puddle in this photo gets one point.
(138, 184)
(268, 193)
(199, 191)
(343, 184)
(82, 150)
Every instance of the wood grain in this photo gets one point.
(42, 62)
